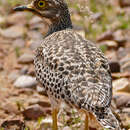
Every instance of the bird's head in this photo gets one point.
(51, 9)
(54, 10)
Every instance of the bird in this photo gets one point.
(71, 68)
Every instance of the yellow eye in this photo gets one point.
(41, 3)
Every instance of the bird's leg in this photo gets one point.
(54, 117)
(86, 122)
(55, 109)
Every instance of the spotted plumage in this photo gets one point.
(72, 69)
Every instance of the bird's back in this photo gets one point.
(76, 68)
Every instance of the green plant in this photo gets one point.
(103, 48)
(17, 51)
(39, 121)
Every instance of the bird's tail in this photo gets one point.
(108, 120)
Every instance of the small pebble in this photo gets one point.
(25, 82)
(114, 66)
(26, 58)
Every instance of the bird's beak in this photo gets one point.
(28, 7)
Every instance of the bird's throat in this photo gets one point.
(63, 23)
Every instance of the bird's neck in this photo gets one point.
(63, 23)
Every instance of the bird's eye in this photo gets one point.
(41, 3)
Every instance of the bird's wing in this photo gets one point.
(89, 75)
(91, 79)
(82, 66)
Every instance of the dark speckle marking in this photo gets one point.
(61, 69)
(61, 64)
(55, 95)
(62, 95)
(65, 72)
(53, 79)
(70, 68)
(55, 66)
(58, 91)
(52, 84)
(60, 76)
(56, 80)
(68, 92)
(93, 80)
(58, 85)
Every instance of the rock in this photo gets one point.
(17, 18)
(114, 3)
(126, 67)
(3, 51)
(35, 43)
(31, 72)
(25, 82)
(10, 108)
(26, 58)
(13, 31)
(34, 112)
(121, 75)
(114, 66)
(41, 90)
(127, 44)
(46, 124)
(122, 100)
(3, 115)
(109, 44)
(125, 63)
(124, 3)
(97, 16)
(77, 27)
(13, 125)
(19, 43)
(26, 91)
(35, 20)
(108, 35)
(32, 101)
(111, 55)
(2, 20)
(13, 76)
(126, 110)
(5, 41)
(37, 23)
(44, 103)
(115, 25)
(24, 70)
(1, 67)
(119, 37)
(121, 85)
(127, 11)
(1, 55)
(67, 128)
(122, 52)
(35, 35)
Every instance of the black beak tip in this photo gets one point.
(19, 8)
(15, 9)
